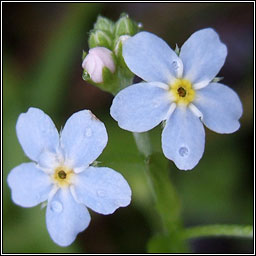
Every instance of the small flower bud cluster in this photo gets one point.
(104, 65)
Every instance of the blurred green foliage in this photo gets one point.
(46, 73)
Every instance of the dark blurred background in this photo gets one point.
(42, 48)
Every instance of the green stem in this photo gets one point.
(173, 235)
(156, 169)
(166, 201)
(219, 230)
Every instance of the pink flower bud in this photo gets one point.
(96, 60)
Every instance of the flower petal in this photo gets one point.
(65, 218)
(150, 58)
(221, 107)
(36, 133)
(83, 139)
(140, 107)
(183, 138)
(49, 161)
(102, 189)
(203, 55)
(29, 185)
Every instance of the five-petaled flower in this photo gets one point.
(180, 90)
(61, 173)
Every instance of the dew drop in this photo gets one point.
(56, 206)
(88, 132)
(175, 65)
(101, 193)
(183, 151)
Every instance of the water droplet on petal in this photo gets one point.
(175, 64)
(56, 206)
(88, 132)
(183, 151)
(101, 193)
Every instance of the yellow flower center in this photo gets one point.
(182, 91)
(62, 176)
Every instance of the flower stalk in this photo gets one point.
(239, 231)
(166, 199)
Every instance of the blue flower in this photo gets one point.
(61, 173)
(180, 90)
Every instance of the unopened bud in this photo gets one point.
(100, 38)
(104, 24)
(96, 60)
(126, 26)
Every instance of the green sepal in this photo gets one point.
(109, 83)
(84, 55)
(104, 24)
(126, 26)
(100, 38)
(217, 79)
(177, 50)
(118, 50)
(113, 83)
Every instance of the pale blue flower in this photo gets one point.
(61, 173)
(180, 90)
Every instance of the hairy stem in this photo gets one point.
(156, 169)
(219, 230)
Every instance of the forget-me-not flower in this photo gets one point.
(180, 90)
(61, 173)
